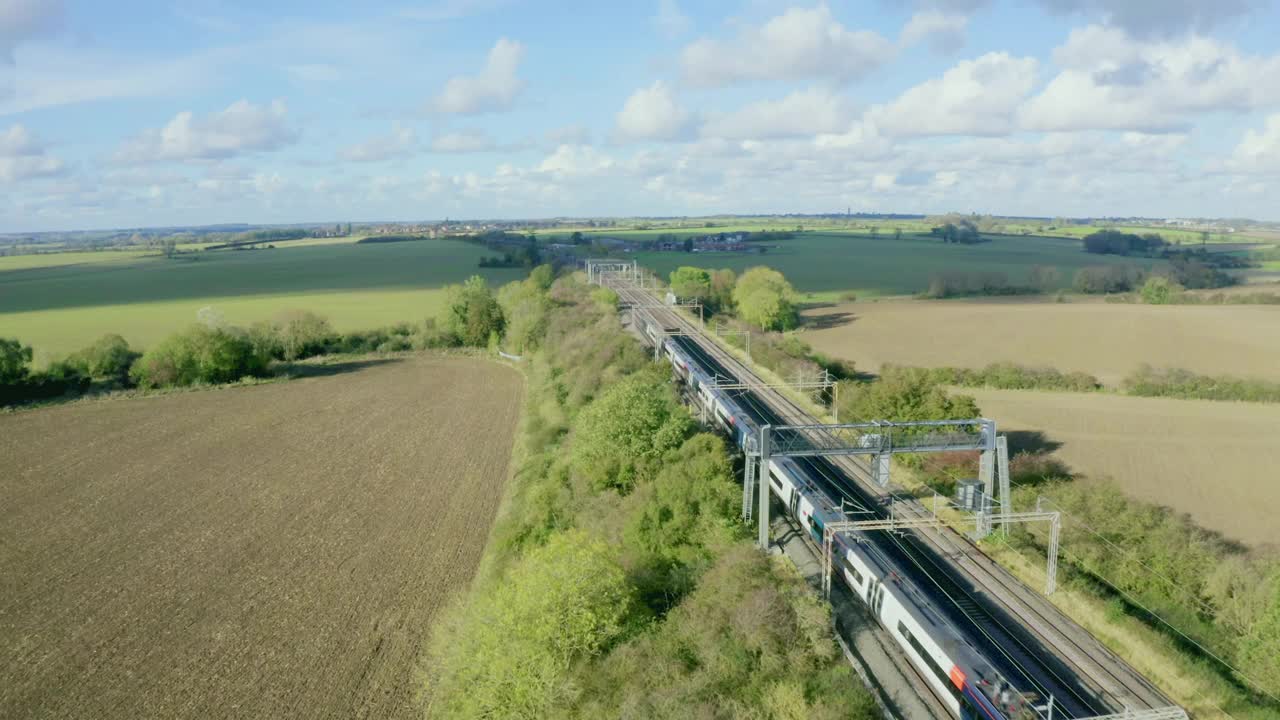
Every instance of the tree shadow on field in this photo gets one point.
(300, 370)
(825, 321)
(1030, 441)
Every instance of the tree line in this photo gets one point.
(614, 582)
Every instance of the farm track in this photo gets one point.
(271, 551)
(1109, 677)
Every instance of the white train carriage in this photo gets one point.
(949, 664)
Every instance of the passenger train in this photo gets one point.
(956, 671)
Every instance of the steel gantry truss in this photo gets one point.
(879, 439)
(897, 523)
(598, 270)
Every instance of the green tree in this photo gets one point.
(576, 237)
(511, 653)
(691, 282)
(108, 357)
(765, 299)
(525, 307)
(674, 522)
(623, 434)
(303, 334)
(903, 394)
(14, 359)
(199, 354)
(722, 284)
(542, 277)
(1159, 290)
(1043, 277)
(750, 642)
(472, 314)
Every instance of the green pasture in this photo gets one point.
(60, 309)
(56, 259)
(834, 262)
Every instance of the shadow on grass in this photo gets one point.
(300, 370)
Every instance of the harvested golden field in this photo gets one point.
(1215, 461)
(1106, 340)
(275, 551)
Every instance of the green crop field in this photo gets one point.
(55, 259)
(60, 309)
(827, 263)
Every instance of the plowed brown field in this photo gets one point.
(1215, 461)
(1107, 340)
(275, 551)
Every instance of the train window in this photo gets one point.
(857, 576)
(776, 482)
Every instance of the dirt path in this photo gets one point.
(271, 551)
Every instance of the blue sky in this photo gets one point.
(135, 114)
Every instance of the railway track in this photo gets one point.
(1029, 638)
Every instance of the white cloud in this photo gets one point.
(23, 157)
(1112, 81)
(576, 160)
(494, 89)
(463, 141)
(800, 43)
(399, 142)
(1158, 17)
(976, 97)
(942, 31)
(652, 113)
(241, 128)
(22, 20)
(1259, 150)
(802, 113)
(669, 20)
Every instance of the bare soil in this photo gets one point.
(260, 552)
(1106, 340)
(1215, 461)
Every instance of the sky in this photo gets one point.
(137, 113)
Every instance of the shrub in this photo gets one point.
(525, 306)
(200, 354)
(303, 334)
(673, 523)
(1174, 382)
(625, 432)
(752, 641)
(1107, 279)
(1159, 290)
(1035, 468)
(1011, 376)
(110, 357)
(511, 651)
(903, 394)
(472, 313)
(959, 284)
(14, 360)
